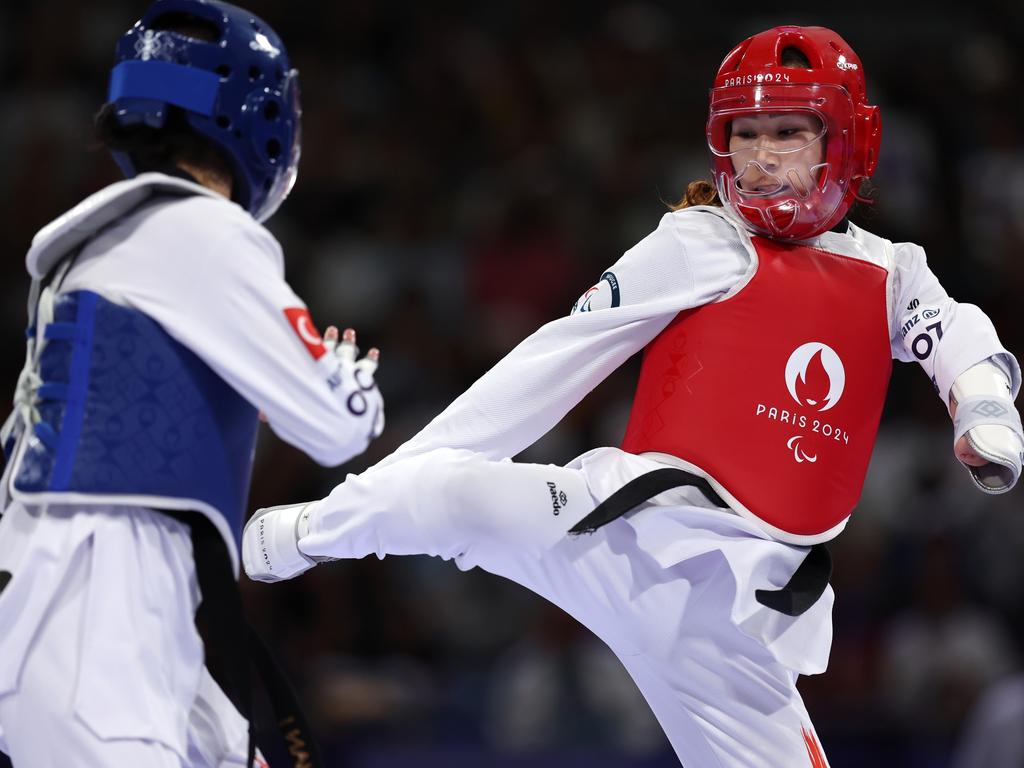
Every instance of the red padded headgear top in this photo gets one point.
(753, 80)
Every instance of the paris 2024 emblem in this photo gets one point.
(815, 380)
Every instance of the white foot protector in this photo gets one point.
(270, 542)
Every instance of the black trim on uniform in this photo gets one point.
(233, 648)
(805, 586)
(291, 719)
(221, 620)
(641, 489)
(842, 226)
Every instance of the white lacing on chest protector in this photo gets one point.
(26, 393)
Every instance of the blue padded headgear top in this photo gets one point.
(238, 91)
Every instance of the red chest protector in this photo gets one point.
(776, 392)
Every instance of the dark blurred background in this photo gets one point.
(468, 170)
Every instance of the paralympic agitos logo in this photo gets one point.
(815, 378)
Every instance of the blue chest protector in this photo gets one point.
(127, 415)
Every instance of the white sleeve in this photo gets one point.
(944, 336)
(545, 376)
(269, 352)
(225, 298)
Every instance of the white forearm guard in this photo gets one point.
(986, 415)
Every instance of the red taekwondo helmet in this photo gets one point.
(792, 182)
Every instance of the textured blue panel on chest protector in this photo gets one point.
(141, 414)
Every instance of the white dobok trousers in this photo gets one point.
(669, 587)
(100, 661)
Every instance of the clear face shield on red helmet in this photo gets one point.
(781, 156)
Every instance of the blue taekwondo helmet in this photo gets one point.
(238, 91)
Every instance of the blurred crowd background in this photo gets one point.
(469, 169)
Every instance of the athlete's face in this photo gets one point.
(774, 153)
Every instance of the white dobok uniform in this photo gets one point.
(100, 661)
(671, 586)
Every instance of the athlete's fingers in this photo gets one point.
(367, 367)
(347, 349)
(331, 334)
(331, 338)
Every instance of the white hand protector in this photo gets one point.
(352, 380)
(270, 543)
(986, 416)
